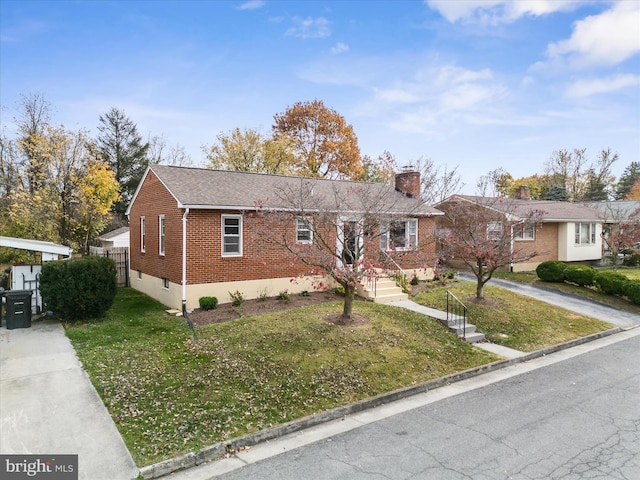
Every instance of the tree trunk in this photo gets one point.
(349, 294)
(479, 290)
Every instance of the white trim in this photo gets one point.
(143, 234)
(162, 235)
(300, 220)
(385, 235)
(223, 235)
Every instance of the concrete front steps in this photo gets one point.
(385, 291)
(471, 335)
(468, 332)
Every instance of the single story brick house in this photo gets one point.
(196, 232)
(565, 231)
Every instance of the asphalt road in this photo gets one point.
(576, 417)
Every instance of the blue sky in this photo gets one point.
(478, 84)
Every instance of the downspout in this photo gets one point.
(184, 261)
(184, 272)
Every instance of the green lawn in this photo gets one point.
(513, 320)
(170, 394)
(591, 293)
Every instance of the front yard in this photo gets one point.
(170, 393)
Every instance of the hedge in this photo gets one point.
(611, 283)
(581, 275)
(551, 271)
(632, 291)
(79, 288)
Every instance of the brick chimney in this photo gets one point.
(408, 182)
(523, 193)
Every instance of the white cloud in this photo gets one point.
(493, 12)
(605, 39)
(595, 86)
(252, 5)
(339, 48)
(310, 28)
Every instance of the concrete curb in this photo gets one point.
(218, 450)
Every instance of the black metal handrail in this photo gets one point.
(456, 313)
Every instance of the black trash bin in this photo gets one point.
(18, 308)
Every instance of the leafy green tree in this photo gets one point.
(122, 147)
(249, 151)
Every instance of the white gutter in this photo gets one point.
(184, 261)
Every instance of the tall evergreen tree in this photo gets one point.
(122, 147)
(630, 175)
(595, 188)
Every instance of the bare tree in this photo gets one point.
(161, 153)
(437, 182)
(620, 227)
(481, 232)
(340, 227)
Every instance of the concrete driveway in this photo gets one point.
(570, 302)
(49, 406)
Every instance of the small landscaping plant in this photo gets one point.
(208, 303)
(581, 275)
(551, 271)
(284, 295)
(237, 299)
(414, 280)
(611, 283)
(305, 293)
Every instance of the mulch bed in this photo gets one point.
(227, 312)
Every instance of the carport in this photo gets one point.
(25, 277)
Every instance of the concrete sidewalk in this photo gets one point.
(49, 406)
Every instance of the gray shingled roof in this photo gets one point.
(219, 189)
(550, 211)
(617, 211)
(113, 233)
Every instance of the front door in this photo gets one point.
(350, 242)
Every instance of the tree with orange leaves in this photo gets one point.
(324, 144)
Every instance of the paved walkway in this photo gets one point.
(49, 406)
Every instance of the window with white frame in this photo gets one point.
(304, 233)
(161, 235)
(400, 235)
(142, 236)
(585, 234)
(231, 235)
(526, 231)
(494, 230)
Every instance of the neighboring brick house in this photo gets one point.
(194, 232)
(569, 232)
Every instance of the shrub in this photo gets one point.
(305, 293)
(551, 271)
(611, 283)
(79, 288)
(581, 275)
(632, 291)
(414, 280)
(632, 260)
(283, 295)
(237, 298)
(208, 303)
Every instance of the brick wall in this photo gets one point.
(205, 263)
